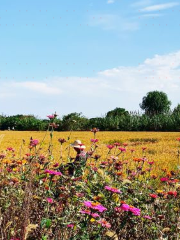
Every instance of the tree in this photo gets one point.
(155, 102)
(177, 110)
(74, 121)
(117, 112)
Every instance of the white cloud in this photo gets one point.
(122, 86)
(40, 87)
(113, 22)
(110, 1)
(159, 7)
(141, 3)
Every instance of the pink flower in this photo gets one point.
(70, 225)
(115, 190)
(164, 179)
(51, 116)
(96, 206)
(135, 211)
(95, 215)
(110, 147)
(104, 223)
(51, 172)
(122, 149)
(147, 217)
(88, 212)
(34, 142)
(117, 144)
(94, 140)
(49, 200)
(125, 207)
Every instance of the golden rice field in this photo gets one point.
(161, 147)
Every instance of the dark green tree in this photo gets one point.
(117, 112)
(177, 110)
(155, 102)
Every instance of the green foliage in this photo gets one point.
(117, 112)
(155, 103)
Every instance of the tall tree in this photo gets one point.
(155, 102)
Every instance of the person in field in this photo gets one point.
(75, 168)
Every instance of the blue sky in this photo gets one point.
(87, 56)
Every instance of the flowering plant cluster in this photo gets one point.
(109, 198)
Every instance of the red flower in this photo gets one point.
(153, 196)
(172, 193)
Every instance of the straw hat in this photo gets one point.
(78, 144)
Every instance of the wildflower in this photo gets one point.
(151, 163)
(56, 165)
(95, 215)
(10, 149)
(49, 200)
(117, 144)
(164, 179)
(111, 189)
(104, 223)
(172, 193)
(52, 116)
(110, 147)
(61, 140)
(88, 212)
(135, 211)
(94, 140)
(51, 172)
(132, 150)
(34, 142)
(114, 158)
(122, 149)
(147, 217)
(125, 207)
(144, 148)
(80, 194)
(153, 196)
(70, 225)
(178, 139)
(125, 144)
(96, 206)
(2, 156)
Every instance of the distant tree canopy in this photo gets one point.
(177, 109)
(155, 103)
(74, 121)
(117, 112)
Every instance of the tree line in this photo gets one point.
(156, 116)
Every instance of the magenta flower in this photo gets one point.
(151, 163)
(110, 147)
(70, 225)
(125, 207)
(164, 179)
(88, 212)
(51, 172)
(111, 189)
(122, 149)
(94, 140)
(104, 223)
(49, 200)
(34, 142)
(51, 116)
(147, 217)
(135, 211)
(96, 206)
(95, 215)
